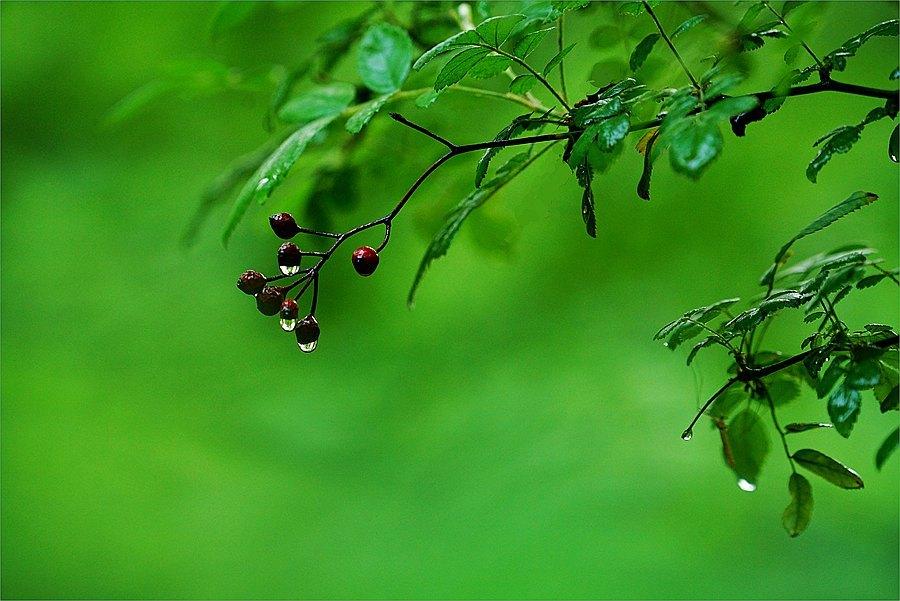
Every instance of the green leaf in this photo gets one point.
(730, 107)
(887, 448)
(272, 172)
(530, 42)
(688, 24)
(455, 219)
(463, 39)
(798, 513)
(790, 5)
(557, 59)
(601, 136)
(832, 374)
(490, 66)
(323, 101)
(843, 408)
(384, 56)
(496, 30)
(824, 466)
(519, 125)
(863, 374)
(838, 58)
(782, 388)
(706, 342)
(427, 99)
(643, 187)
(588, 209)
(852, 203)
(749, 444)
(458, 66)
(522, 84)
(804, 427)
(700, 314)
(366, 111)
(642, 51)
(694, 146)
(838, 143)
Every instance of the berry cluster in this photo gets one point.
(273, 299)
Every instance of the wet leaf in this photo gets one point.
(887, 448)
(384, 57)
(824, 466)
(798, 513)
(843, 409)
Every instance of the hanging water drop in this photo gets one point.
(308, 347)
(746, 485)
(687, 434)
(289, 258)
(261, 185)
(289, 269)
(288, 325)
(307, 332)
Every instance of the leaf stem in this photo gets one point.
(781, 433)
(560, 24)
(538, 76)
(780, 17)
(665, 36)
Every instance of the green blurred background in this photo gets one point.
(515, 435)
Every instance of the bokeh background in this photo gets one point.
(515, 435)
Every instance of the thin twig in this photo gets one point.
(665, 36)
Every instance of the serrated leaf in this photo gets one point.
(798, 513)
(490, 66)
(688, 24)
(322, 101)
(522, 84)
(838, 58)
(642, 51)
(843, 409)
(463, 39)
(643, 187)
(384, 57)
(530, 42)
(887, 448)
(836, 368)
(706, 342)
(496, 30)
(852, 203)
(366, 111)
(824, 466)
(839, 143)
(557, 59)
(700, 314)
(459, 66)
(749, 444)
(455, 218)
(863, 374)
(804, 427)
(693, 148)
(272, 172)
(519, 125)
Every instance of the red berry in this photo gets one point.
(365, 260)
(289, 309)
(251, 282)
(307, 332)
(289, 256)
(284, 226)
(269, 300)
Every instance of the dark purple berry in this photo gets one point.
(307, 331)
(284, 226)
(365, 260)
(289, 309)
(269, 300)
(289, 256)
(251, 282)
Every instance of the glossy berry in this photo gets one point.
(269, 300)
(284, 226)
(307, 332)
(288, 309)
(288, 314)
(251, 282)
(289, 257)
(365, 260)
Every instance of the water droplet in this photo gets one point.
(288, 325)
(687, 434)
(745, 485)
(308, 347)
(289, 269)
(261, 185)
